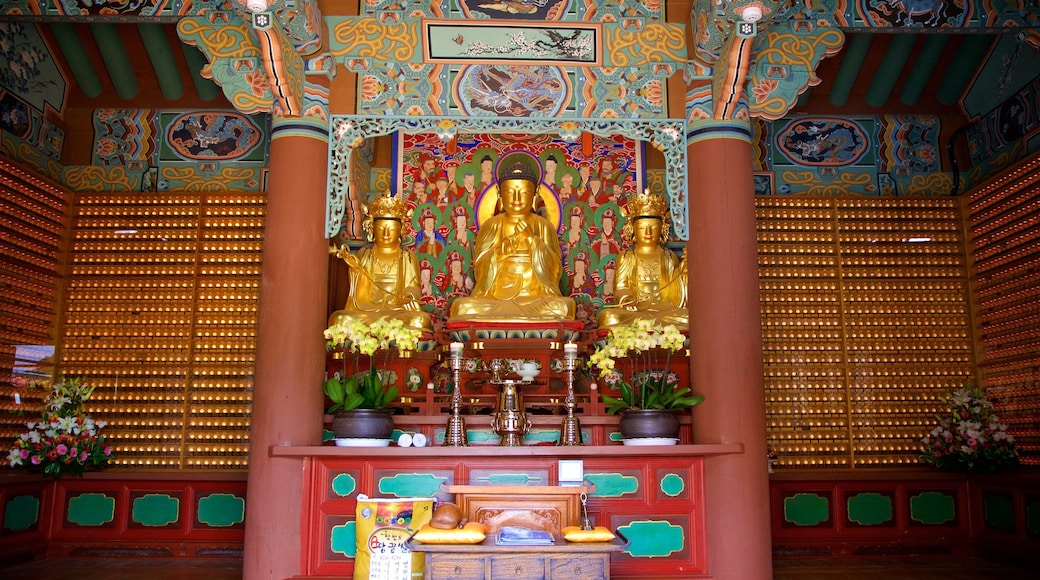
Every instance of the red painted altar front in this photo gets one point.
(654, 495)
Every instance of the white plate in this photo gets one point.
(361, 442)
(651, 441)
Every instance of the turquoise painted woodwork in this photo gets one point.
(22, 512)
(672, 485)
(92, 509)
(806, 509)
(543, 435)
(344, 484)
(653, 539)
(932, 508)
(998, 511)
(612, 484)
(222, 510)
(155, 510)
(343, 539)
(1033, 518)
(509, 479)
(869, 509)
(411, 485)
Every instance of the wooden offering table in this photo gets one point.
(561, 561)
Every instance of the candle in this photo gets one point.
(570, 350)
(456, 349)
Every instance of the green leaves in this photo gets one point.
(347, 394)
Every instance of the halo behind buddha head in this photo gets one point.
(519, 165)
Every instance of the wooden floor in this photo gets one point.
(916, 568)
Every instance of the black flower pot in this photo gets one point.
(363, 424)
(646, 423)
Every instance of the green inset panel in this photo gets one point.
(653, 539)
(933, 508)
(615, 437)
(806, 509)
(92, 509)
(21, 513)
(222, 510)
(1033, 518)
(542, 435)
(870, 509)
(343, 539)
(344, 484)
(672, 485)
(510, 479)
(612, 484)
(155, 510)
(411, 485)
(999, 512)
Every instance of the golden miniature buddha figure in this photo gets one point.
(517, 260)
(384, 277)
(650, 282)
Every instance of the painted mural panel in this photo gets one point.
(27, 68)
(516, 9)
(211, 136)
(502, 90)
(884, 155)
(579, 45)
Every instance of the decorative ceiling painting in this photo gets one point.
(883, 155)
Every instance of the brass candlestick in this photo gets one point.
(570, 432)
(455, 431)
(510, 421)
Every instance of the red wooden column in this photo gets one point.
(726, 348)
(290, 350)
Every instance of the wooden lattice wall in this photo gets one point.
(161, 315)
(865, 324)
(1005, 228)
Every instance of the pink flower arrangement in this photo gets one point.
(65, 439)
(970, 437)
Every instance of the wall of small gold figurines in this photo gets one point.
(1004, 216)
(865, 323)
(160, 314)
(33, 220)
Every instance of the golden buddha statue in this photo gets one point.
(650, 282)
(384, 278)
(517, 260)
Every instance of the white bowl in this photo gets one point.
(650, 441)
(361, 442)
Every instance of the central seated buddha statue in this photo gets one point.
(517, 260)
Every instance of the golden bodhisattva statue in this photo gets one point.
(650, 282)
(517, 260)
(384, 278)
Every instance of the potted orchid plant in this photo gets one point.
(361, 399)
(632, 361)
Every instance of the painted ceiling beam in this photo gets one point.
(922, 69)
(77, 59)
(161, 55)
(856, 50)
(891, 68)
(116, 60)
(206, 88)
(970, 53)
